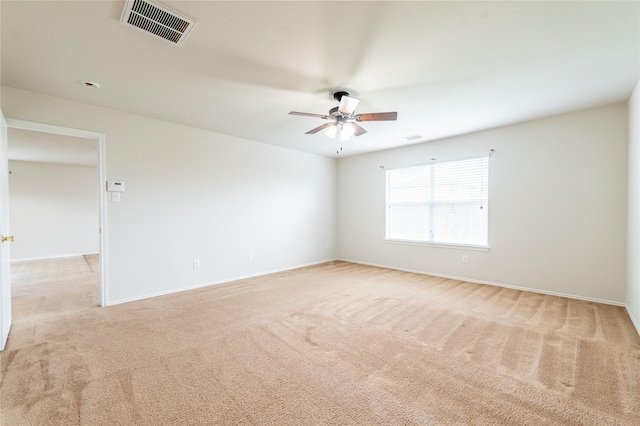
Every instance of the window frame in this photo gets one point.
(433, 202)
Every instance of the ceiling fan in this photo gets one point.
(344, 123)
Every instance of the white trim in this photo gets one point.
(50, 128)
(5, 259)
(471, 280)
(243, 277)
(60, 256)
(439, 245)
(102, 173)
(635, 322)
(212, 283)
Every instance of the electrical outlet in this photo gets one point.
(196, 264)
(326, 245)
(249, 256)
(465, 258)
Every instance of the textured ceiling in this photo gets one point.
(447, 68)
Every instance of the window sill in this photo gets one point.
(441, 245)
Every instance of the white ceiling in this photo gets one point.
(447, 68)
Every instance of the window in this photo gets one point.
(445, 202)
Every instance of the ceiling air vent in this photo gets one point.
(155, 19)
(413, 137)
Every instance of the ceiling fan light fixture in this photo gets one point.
(331, 131)
(347, 105)
(342, 131)
(346, 132)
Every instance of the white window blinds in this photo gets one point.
(443, 202)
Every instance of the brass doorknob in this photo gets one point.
(7, 238)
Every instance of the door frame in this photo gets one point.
(5, 250)
(102, 212)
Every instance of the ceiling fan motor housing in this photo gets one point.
(339, 116)
(338, 95)
(333, 111)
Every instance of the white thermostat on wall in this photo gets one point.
(115, 186)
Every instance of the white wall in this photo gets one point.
(193, 194)
(557, 206)
(53, 210)
(633, 238)
(558, 209)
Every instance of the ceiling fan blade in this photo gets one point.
(348, 104)
(308, 114)
(377, 116)
(319, 128)
(359, 130)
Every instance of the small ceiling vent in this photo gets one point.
(158, 20)
(413, 137)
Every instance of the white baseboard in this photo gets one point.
(471, 280)
(61, 256)
(635, 321)
(210, 283)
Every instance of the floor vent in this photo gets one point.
(158, 20)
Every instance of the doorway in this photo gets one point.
(66, 151)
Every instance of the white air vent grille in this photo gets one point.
(157, 20)
(413, 137)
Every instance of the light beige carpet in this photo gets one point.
(333, 344)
